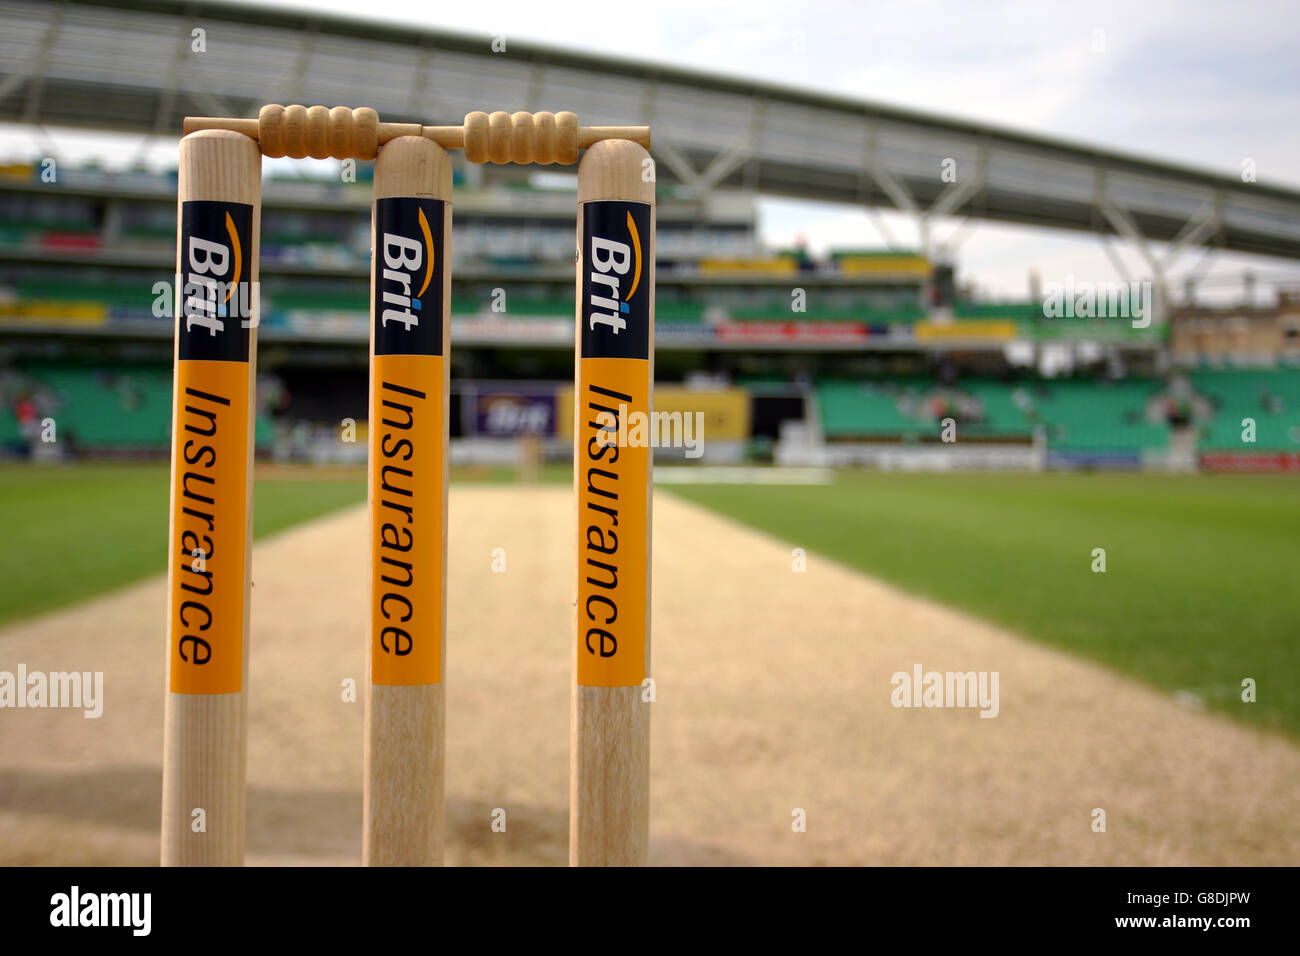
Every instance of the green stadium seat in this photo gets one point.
(1270, 396)
(1081, 416)
(124, 407)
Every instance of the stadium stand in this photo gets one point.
(1270, 396)
(1081, 416)
(80, 261)
(857, 410)
(122, 409)
(1091, 417)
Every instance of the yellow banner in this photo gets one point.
(57, 312)
(915, 266)
(782, 266)
(725, 411)
(966, 329)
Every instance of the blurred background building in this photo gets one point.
(844, 356)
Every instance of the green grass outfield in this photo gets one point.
(73, 531)
(1202, 586)
(69, 532)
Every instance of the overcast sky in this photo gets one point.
(1201, 83)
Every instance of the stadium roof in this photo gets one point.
(127, 65)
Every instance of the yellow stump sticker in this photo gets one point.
(210, 450)
(611, 525)
(612, 467)
(406, 422)
(408, 425)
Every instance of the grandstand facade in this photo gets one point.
(863, 356)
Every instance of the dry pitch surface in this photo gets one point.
(773, 694)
